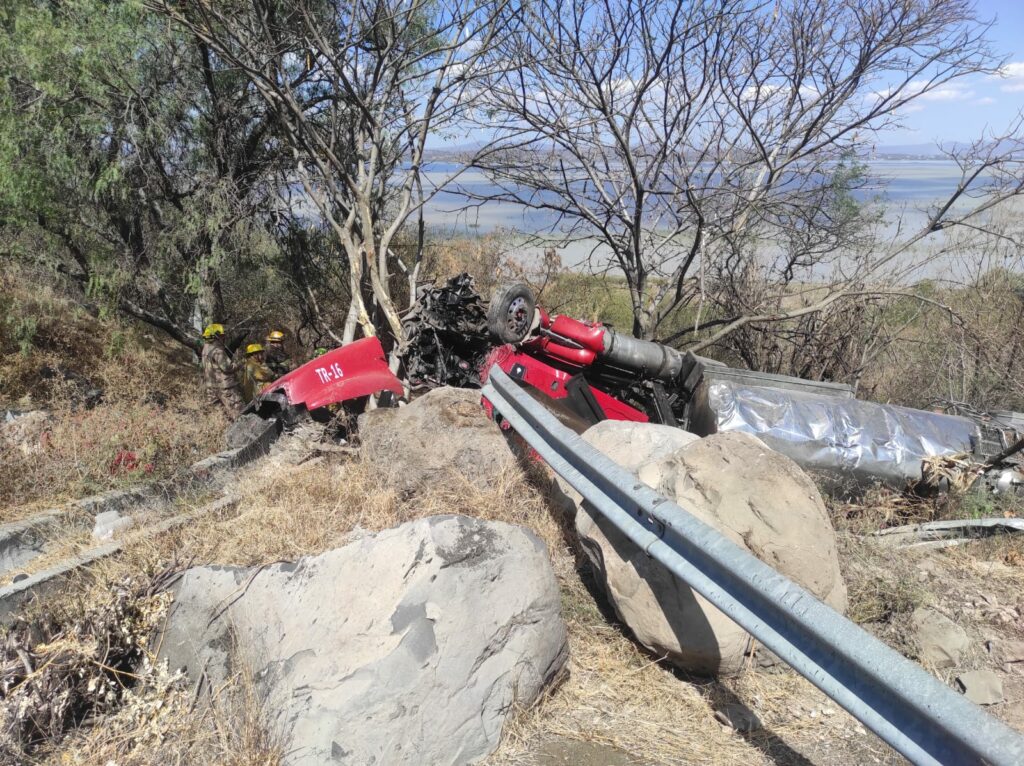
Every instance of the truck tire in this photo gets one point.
(510, 314)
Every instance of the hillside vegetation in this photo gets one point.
(111, 403)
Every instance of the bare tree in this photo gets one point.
(357, 87)
(709, 151)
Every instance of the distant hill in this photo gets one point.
(908, 151)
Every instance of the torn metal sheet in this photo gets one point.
(942, 534)
(844, 440)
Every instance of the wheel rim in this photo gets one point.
(516, 319)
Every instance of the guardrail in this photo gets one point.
(897, 699)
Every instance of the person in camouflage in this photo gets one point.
(256, 374)
(276, 357)
(220, 372)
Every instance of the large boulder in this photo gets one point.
(758, 498)
(406, 647)
(442, 431)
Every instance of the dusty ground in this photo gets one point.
(618, 704)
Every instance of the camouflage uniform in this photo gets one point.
(219, 373)
(255, 376)
(277, 360)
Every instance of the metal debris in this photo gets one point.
(944, 534)
(447, 337)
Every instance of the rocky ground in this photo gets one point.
(608, 700)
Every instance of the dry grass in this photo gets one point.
(616, 695)
(149, 423)
(883, 587)
(84, 451)
(161, 721)
(80, 686)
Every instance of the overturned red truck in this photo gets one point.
(587, 372)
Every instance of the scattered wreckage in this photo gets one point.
(588, 372)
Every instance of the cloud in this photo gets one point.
(950, 91)
(1012, 77)
(918, 91)
(985, 101)
(773, 92)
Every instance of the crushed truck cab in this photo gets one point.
(353, 371)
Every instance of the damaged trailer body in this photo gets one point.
(849, 443)
(350, 373)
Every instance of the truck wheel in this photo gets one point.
(510, 314)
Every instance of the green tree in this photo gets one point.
(149, 170)
(357, 88)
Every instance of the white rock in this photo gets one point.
(406, 647)
(756, 497)
(110, 523)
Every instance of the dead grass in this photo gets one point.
(883, 587)
(148, 423)
(161, 721)
(81, 452)
(616, 695)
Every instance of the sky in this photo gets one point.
(961, 111)
(964, 110)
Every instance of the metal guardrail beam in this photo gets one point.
(897, 699)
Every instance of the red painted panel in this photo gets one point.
(581, 357)
(587, 335)
(617, 410)
(551, 381)
(354, 370)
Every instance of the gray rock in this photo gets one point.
(25, 431)
(1009, 653)
(442, 432)
(941, 642)
(738, 716)
(756, 497)
(982, 687)
(406, 647)
(110, 523)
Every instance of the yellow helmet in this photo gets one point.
(275, 336)
(213, 330)
(253, 348)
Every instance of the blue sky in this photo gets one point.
(965, 109)
(961, 111)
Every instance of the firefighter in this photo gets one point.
(256, 374)
(276, 357)
(220, 372)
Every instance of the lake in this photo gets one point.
(905, 188)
